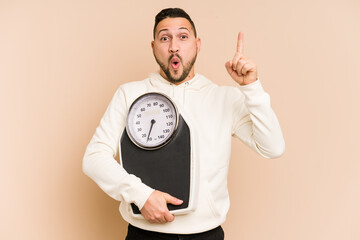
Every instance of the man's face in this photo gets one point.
(175, 48)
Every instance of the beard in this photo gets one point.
(186, 68)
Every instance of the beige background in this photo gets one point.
(61, 62)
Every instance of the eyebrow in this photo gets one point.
(166, 29)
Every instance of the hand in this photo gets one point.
(155, 209)
(241, 68)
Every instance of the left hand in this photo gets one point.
(241, 68)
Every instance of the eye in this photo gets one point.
(183, 37)
(164, 38)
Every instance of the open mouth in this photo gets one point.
(175, 63)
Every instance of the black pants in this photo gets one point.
(135, 233)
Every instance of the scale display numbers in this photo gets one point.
(152, 120)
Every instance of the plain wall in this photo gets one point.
(62, 61)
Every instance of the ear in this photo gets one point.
(198, 44)
(152, 45)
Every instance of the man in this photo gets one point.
(216, 113)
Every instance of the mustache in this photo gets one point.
(174, 55)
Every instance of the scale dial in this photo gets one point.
(152, 121)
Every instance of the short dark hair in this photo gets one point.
(172, 13)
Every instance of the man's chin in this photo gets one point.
(175, 73)
(176, 76)
(175, 80)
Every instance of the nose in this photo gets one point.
(173, 47)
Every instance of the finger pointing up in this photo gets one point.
(240, 43)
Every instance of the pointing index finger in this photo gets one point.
(240, 43)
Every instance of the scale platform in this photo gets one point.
(168, 169)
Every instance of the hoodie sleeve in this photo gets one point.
(256, 124)
(99, 160)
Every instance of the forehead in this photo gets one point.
(173, 24)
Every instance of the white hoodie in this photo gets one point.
(214, 114)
